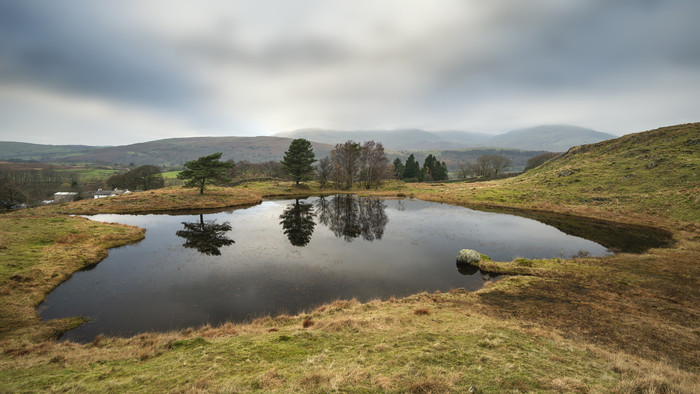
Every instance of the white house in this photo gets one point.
(109, 193)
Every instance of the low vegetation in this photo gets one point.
(626, 323)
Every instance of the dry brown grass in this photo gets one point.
(306, 323)
(167, 199)
(421, 311)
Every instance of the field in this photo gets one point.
(170, 174)
(626, 323)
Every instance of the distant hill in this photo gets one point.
(401, 139)
(168, 152)
(176, 151)
(554, 138)
(25, 151)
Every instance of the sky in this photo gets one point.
(114, 73)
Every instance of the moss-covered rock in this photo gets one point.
(469, 256)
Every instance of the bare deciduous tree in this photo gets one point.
(491, 165)
(345, 158)
(324, 168)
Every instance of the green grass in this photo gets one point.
(170, 174)
(88, 174)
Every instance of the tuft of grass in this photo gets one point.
(306, 323)
(421, 311)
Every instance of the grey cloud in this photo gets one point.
(230, 67)
(284, 54)
(67, 49)
(577, 46)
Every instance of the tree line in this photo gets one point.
(348, 163)
(141, 178)
(432, 170)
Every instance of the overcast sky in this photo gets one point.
(112, 73)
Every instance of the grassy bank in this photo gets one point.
(625, 323)
(37, 253)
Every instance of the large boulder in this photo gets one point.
(468, 256)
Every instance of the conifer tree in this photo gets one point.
(412, 168)
(206, 169)
(298, 160)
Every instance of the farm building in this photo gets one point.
(64, 196)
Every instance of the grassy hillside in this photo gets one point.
(653, 173)
(625, 323)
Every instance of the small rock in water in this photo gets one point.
(468, 256)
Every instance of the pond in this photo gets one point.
(286, 256)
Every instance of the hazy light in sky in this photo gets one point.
(78, 71)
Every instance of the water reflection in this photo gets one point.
(159, 285)
(206, 237)
(467, 269)
(350, 217)
(298, 223)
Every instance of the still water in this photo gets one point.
(285, 256)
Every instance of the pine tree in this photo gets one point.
(398, 168)
(298, 160)
(206, 169)
(412, 168)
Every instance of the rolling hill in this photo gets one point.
(656, 171)
(168, 152)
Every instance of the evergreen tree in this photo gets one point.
(398, 168)
(434, 170)
(412, 168)
(298, 160)
(429, 168)
(444, 173)
(206, 169)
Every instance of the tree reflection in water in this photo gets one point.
(298, 223)
(207, 237)
(350, 216)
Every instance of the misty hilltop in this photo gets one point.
(552, 138)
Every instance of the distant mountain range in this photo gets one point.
(176, 151)
(552, 138)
